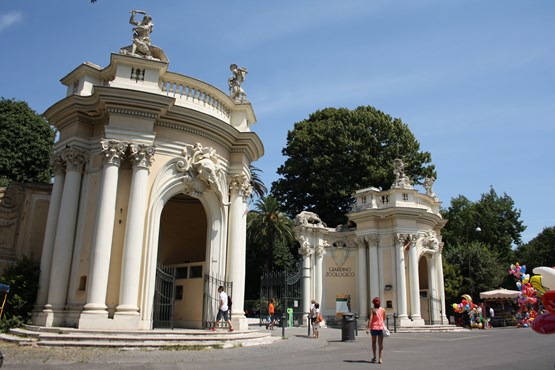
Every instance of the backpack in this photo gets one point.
(229, 302)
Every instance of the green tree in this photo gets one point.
(26, 143)
(337, 151)
(267, 227)
(452, 282)
(23, 279)
(493, 221)
(258, 187)
(539, 251)
(479, 266)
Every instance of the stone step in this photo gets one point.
(182, 338)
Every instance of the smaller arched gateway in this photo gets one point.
(393, 252)
(151, 173)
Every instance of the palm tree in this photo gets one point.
(268, 225)
(258, 187)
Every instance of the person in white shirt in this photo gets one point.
(223, 310)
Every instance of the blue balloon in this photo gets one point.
(523, 269)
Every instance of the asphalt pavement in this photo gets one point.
(498, 348)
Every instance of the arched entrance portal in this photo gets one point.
(181, 253)
(425, 296)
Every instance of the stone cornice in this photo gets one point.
(132, 112)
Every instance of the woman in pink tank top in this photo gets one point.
(375, 327)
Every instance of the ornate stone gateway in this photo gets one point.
(135, 142)
(392, 250)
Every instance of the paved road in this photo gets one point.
(507, 348)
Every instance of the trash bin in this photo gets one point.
(348, 327)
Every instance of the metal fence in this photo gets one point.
(212, 299)
(285, 288)
(164, 299)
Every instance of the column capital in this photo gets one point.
(142, 155)
(320, 250)
(406, 239)
(305, 249)
(74, 158)
(113, 150)
(372, 239)
(57, 164)
(240, 183)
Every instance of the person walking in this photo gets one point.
(223, 310)
(317, 320)
(271, 312)
(376, 327)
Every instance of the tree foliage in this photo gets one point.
(539, 251)
(270, 243)
(26, 143)
(23, 279)
(337, 151)
(493, 221)
(477, 264)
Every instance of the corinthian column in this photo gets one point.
(441, 287)
(141, 158)
(319, 253)
(240, 189)
(101, 249)
(65, 232)
(401, 281)
(58, 167)
(413, 281)
(306, 251)
(373, 263)
(362, 282)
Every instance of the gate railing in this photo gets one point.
(164, 299)
(285, 288)
(212, 299)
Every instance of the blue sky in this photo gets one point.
(474, 80)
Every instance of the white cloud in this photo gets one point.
(9, 19)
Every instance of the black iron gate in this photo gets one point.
(164, 299)
(212, 299)
(285, 288)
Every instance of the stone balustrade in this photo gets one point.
(190, 92)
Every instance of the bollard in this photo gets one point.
(283, 321)
(356, 324)
(394, 322)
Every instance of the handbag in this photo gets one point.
(386, 333)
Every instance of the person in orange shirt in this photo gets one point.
(375, 327)
(271, 311)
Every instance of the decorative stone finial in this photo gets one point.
(402, 181)
(236, 92)
(428, 183)
(142, 46)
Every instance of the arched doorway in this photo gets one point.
(181, 262)
(425, 303)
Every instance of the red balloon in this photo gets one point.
(548, 300)
(544, 324)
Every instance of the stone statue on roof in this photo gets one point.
(236, 92)
(402, 181)
(142, 47)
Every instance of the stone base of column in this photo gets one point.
(404, 322)
(240, 322)
(95, 320)
(48, 318)
(126, 321)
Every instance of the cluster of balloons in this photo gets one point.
(473, 311)
(527, 300)
(545, 277)
(533, 289)
(465, 305)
